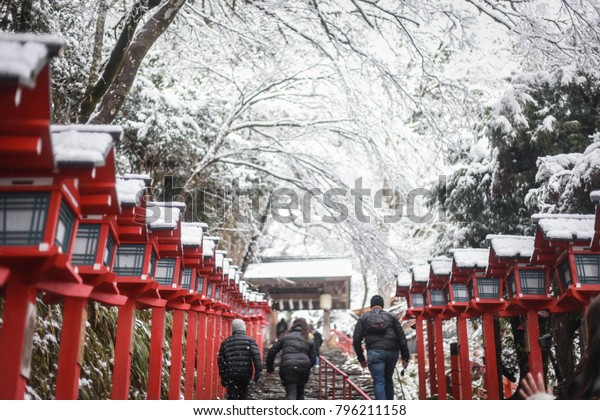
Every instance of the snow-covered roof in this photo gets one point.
(511, 246)
(441, 266)
(232, 271)
(130, 190)
(566, 226)
(471, 257)
(85, 145)
(421, 273)
(163, 215)
(226, 264)
(317, 268)
(404, 279)
(24, 55)
(191, 234)
(595, 196)
(219, 259)
(208, 247)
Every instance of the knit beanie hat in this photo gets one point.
(238, 325)
(376, 301)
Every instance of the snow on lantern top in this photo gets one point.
(565, 226)
(24, 55)
(511, 246)
(83, 145)
(471, 257)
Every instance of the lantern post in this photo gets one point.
(439, 275)
(40, 208)
(87, 153)
(465, 262)
(134, 267)
(415, 309)
(191, 239)
(164, 222)
(526, 287)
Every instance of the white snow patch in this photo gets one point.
(421, 273)
(441, 266)
(163, 215)
(317, 268)
(130, 190)
(471, 257)
(72, 146)
(566, 226)
(509, 246)
(22, 61)
(191, 234)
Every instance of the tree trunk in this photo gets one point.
(97, 89)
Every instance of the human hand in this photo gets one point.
(405, 364)
(531, 386)
(363, 364)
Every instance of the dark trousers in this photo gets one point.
(294, 391)
(238, 390)
(382, 364)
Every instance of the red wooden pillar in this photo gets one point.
(491, 366)
(455, 369)
(440, 363)
(421, 359)
(466, 392)
(216, 346)
(157, 339)
(535, 351)
(122, 365)
(210, 342)
(176, 355)
(16, 339)
(70, 356)
(190, 354)
(431, 353)
(201, 359)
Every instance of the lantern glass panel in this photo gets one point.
(588, 269)
(425, 299)
(86, 245)
(488, 288)
(470, 293)
(187, 279)
(200, 284)
(437, 298)
(23, 218)
(533, 282)
(447, 294)
(417, 300)
(152, 265)
(218, 294)
(109, 251)
(209, 291)
(460, 293)
(512, 285)
(129, 260)
(565, 274)
(64, 228)
(165, 271)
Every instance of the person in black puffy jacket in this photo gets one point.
(298, 356)
(239, 359)
(385, 342)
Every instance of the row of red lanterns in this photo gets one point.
(511, 277)
(71, 229)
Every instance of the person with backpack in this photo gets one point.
(298, 356)
(385, 342)
(282, 327)
(238, 360)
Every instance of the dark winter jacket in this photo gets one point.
(297, 357)
(393, 339)
(236, 356)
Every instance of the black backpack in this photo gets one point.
(374, 322)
